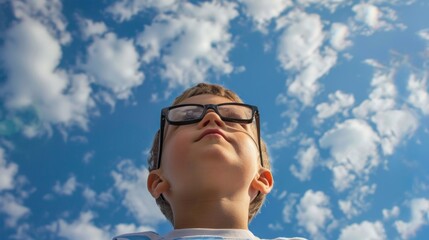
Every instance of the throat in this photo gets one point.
(207, 213)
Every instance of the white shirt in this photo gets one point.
(197, 233)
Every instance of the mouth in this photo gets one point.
(210, 132)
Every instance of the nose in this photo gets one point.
(211, 117)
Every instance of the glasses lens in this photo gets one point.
(237, 112)
(185, 113)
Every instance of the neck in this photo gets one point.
(209, 213)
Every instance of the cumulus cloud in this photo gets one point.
(300, 52)
(328, 4)
(97, 199)
(67, 188)
(114, 64)
(419, 96)
(356, 201)
(123, 228)
(363, 231)
(419, 218)
(124, 10)
(393, 126)
(424, 34)
(48, 12)
(88, 156)
(90, 28)
(82, 228)
(8, 172)
(31, 57)
(13, 208)
(353, 148)
(313, 213)
(288, 209)
(338, 36)
(307, 157)
(391, 213)
(368, 14)
(370, 18)
(190, 42)
(383, 94)
(130, 181)
(262, 12)
(11, 205)
(338, 102)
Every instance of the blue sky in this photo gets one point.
(342, 87)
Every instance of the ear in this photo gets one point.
(156, 184)
(263, 181)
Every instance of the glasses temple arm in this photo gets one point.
(258, 126)
(160, 142)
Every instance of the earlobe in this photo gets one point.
(156, 184)
(263, 182)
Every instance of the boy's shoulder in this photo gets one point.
(156, 236)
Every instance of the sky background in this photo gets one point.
(342, 87)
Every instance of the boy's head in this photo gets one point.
(230, 158)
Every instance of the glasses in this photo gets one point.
(192, 113)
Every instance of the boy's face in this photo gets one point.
(211, 158)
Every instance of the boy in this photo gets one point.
(209, 168)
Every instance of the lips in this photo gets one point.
(211, 131)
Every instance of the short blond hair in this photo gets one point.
(217, 90)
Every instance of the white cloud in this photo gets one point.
(67, 188)
(307, 157)
(363, 231)
(329, 4)
(419, 96)
(338, 102)
(283, 137)
(97, 199)
(370, 18)
(300, 53)
(89, 194)
(88, 156)
(8, 172)
(356, 201)
(368, 14)
(419, 218)
(353, 148)
(288, 209)
(114, 64)
(13, 208)
(393, 126)
(262, 12)
(35, 83)
(191, 42)
(424, 34)
(382, 96)
(123, 228)
(23, 231)
(48, 12)
(130, 181)
(313, 213)
(124, 10)
(338, 36)
(82, 228)
(90, 28)
(391, 213)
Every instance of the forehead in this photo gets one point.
(206, 99)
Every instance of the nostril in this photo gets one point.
(211, 117)
(206, 122)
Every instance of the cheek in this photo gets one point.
(175, 151)
(248, 151)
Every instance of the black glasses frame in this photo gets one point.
(214, 107)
